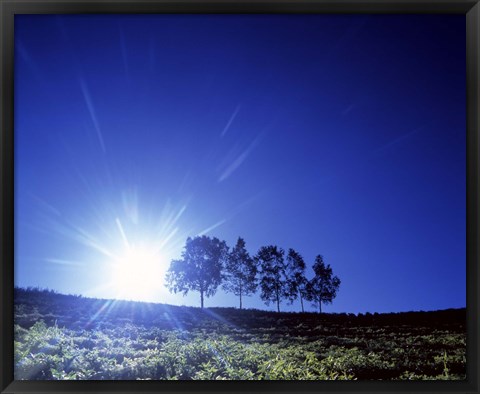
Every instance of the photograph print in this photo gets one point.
(240, 197)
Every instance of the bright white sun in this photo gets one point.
(138, 274)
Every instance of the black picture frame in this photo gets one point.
(10, 8)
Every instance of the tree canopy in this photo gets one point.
(240, 272)
(323, 287)
(199, 269)
(207, 263)
(274, 283)
(296, 273)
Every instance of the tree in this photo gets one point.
(296, 274)
(240, 272)
(199, 269)
(274, 282)
(323, 287)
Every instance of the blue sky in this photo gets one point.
(335, 135)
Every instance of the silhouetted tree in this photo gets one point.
(296, 276)
(323, 287)
(199, 269)
(274, 282)
(240, 272)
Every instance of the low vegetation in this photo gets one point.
(71, 337)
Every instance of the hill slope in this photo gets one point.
(70, 337)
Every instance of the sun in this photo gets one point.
(138, 274)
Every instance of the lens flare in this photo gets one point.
(138, 274)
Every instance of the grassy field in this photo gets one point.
(70, 337)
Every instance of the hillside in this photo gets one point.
(71, 337)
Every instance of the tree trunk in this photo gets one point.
(201, 298)
(240, 296)
(319, 305)
(301, 302)
(278, 297)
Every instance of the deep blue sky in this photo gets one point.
(335, 135)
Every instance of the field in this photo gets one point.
(71, 337)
